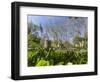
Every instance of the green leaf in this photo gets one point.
(42, 63)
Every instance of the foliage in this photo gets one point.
(33, 41)
(43, 57)
(32, 27)
(80, 42)
(42, 63)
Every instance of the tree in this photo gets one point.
(33, 28)
(80, 42)
(33, 41)
(30, 27)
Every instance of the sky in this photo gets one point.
(37, 19)
(64, 25)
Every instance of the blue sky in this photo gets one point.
(44, 19)
(61, 24)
